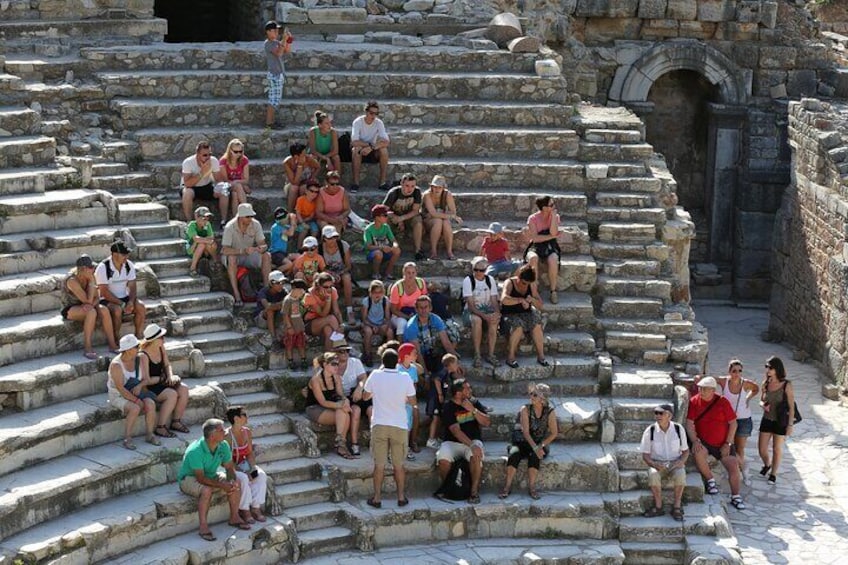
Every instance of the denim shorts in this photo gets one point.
(744, 427)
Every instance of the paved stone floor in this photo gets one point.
(803, 518)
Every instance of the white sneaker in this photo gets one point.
(433, 443)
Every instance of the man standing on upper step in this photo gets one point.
(370, 143)
(115, 278)
(274, 49)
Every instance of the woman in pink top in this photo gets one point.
(403, 295)
(333, 206)
(235, 164)
(544, 228)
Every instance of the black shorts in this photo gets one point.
(772, 427)
(204, 192)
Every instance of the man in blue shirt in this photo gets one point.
(426, 331)
(199, 476)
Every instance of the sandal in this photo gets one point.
(128, 444)
(711, 487)
(374, 503)
(677, 513)
(178, 426)
(239, 525)
(153, 440)
(503, 494)
(165, 431)
(513, 363)
(208, 536)
(653, 512)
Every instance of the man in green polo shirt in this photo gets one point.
(199, 476)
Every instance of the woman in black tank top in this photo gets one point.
(520, 305)
(171, 393)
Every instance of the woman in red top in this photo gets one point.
(235, 164)
(240, 439)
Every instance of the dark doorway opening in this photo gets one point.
(678, 127)
(210, 20)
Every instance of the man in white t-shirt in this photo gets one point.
(369, 142)
(665, 451)
(202, 178)
(115, 278)
(391, 392)
(480, 293)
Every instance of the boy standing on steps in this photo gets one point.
(274, 51)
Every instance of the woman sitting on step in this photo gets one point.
(252, 479)
(535, 430)
(235, 164)
(125, 388)
(325, 400)
(171, 393)
(520, 305)
(81, 303)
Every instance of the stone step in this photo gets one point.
(318, 516)
(143, 213)
(141, 113)
(407, 141)
(289, 471)
(194, 303)
(614, 232)
(229, 362)
(146, 232)
(302, 493)
(100, 170)
(205, 322)
(630, 381)
(312, 55)
(653, 553)
(630, 268)
(604, 215)
(613, 150)
(326, 541)
(48, 432)
(181, 286)
(18, 120)
(625, 251)
(641, 287)
(159, 248)
(21, 35)
(26, 151)
(123, 182)
(551, 175)
(45, 491)
(209, 83)
(218, 342)
(631, 307)
(627, 200)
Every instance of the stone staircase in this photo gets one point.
(620, 335)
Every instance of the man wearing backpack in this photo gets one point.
(462, 418)
(664, 451)
(480, 293)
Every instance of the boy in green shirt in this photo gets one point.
(200, 238)
(381, 243)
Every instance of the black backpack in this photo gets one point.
(457, 484)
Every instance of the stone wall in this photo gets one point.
(809, 304)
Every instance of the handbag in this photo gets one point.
(783, 411)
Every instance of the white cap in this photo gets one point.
(329, 231)
(708, 382)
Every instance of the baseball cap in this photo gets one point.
(708, 382)
(203, 211)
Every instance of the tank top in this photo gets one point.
(241, 452)
(737, 401)
(514, 293)
(333, 203)
(128, 374)
(69, 298)
(773, 398)
(323, 141)
(330, 393)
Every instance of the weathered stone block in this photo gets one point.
(289, 13)
(652, 9)
(682, 9)
(503, 28)
(716, 10)
(525, 44)
(337, 15)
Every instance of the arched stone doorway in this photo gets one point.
(692, 99)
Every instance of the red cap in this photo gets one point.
(405, 350)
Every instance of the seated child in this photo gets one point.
(295, 331)
(376, 319)
(284, 227)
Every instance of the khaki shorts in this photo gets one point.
(678, 477)
(191, 486)
(451, 450)
(385, 439)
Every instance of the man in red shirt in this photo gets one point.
(711, 427)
